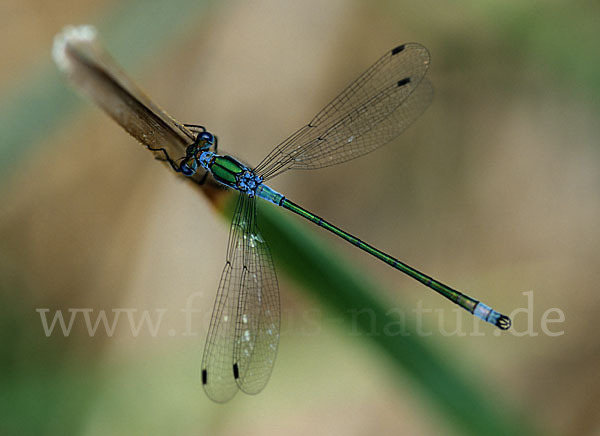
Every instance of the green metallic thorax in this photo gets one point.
(225, 169)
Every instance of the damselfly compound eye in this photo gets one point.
(207, 137)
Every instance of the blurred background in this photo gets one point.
(494, 190)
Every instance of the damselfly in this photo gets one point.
(244, 329)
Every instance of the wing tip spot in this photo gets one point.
(236, 371)
(204, 376)
(404, 81)
(398, 49)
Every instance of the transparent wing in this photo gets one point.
(361, 118)
(217, 373)
(244, 329)
(258, 318)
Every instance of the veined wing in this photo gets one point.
(352, 124)
(243, 336)
(258, 319)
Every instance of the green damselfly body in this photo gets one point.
(243, 335)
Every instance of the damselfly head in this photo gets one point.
(191, 149)
(189, 166)
(205, 140)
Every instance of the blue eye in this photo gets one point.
(186, 170)
(208, 137)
